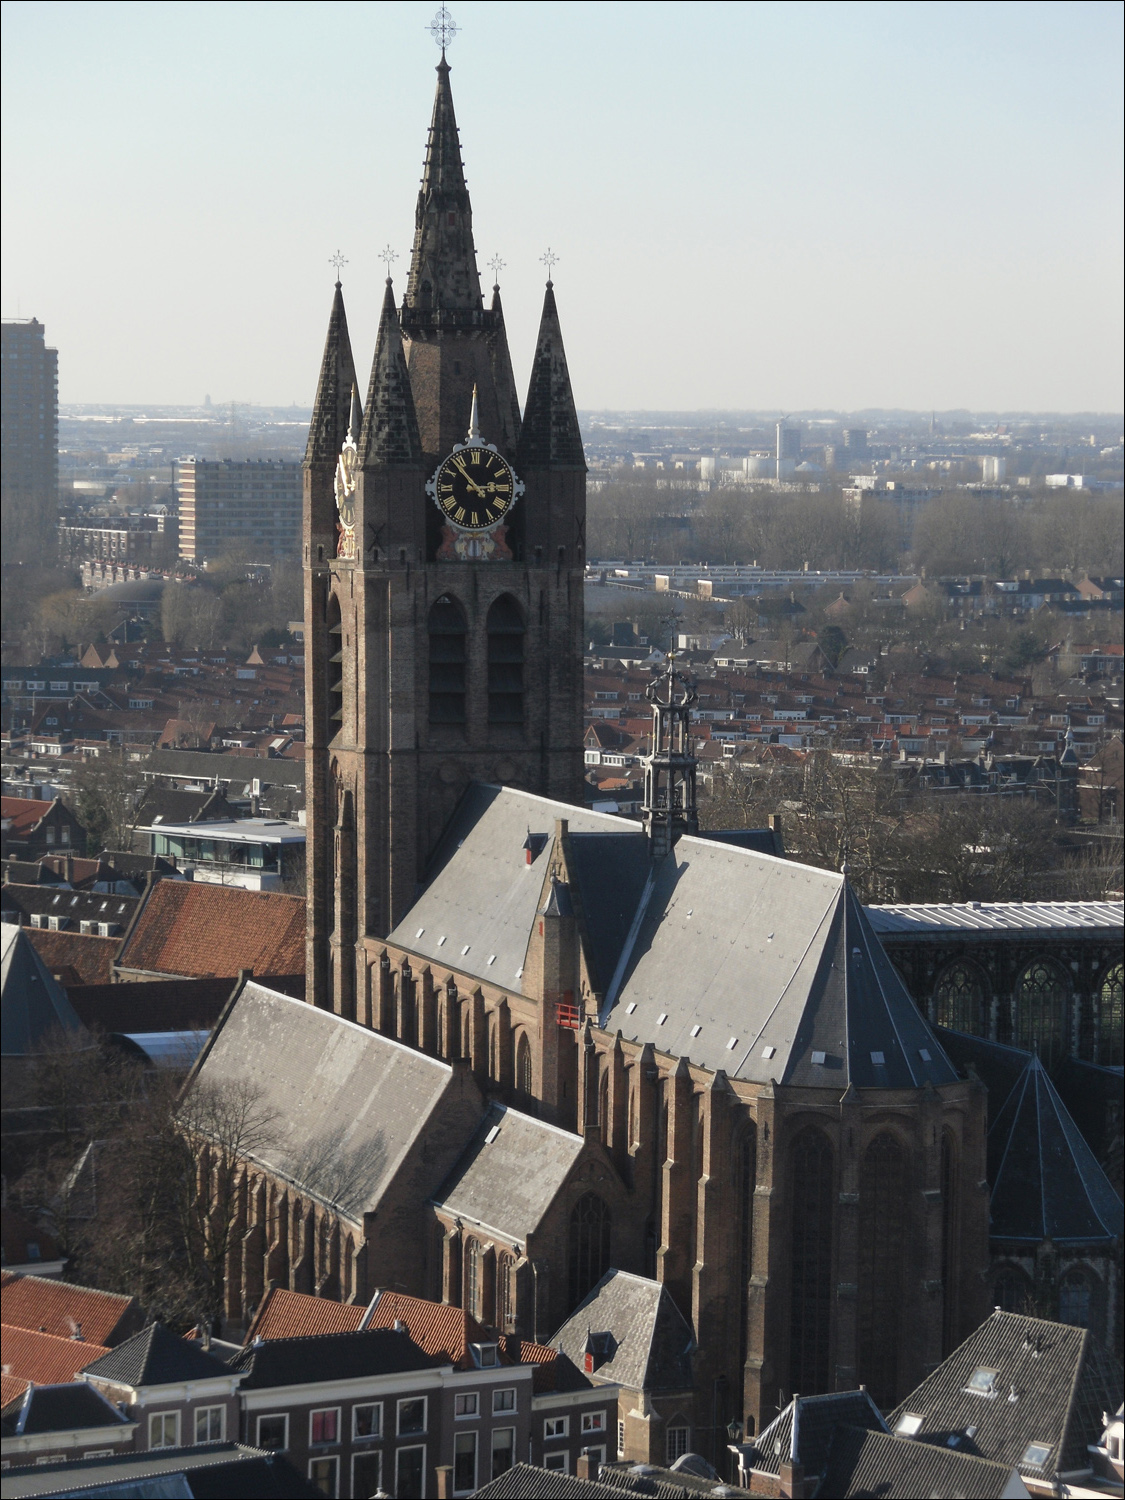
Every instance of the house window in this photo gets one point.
(504, 1400)
(273, 1432)
(410, 1471)
(505, 662)
(621, 1439)
(556, 1427)
(367, 1420)
(676, 1442)
(503, 1450)
(464, 1463)
(466, 1405)
(210, 1426)
(593, 1421)
(324, 1426)
(557, 1463)
(411, 1416)
(164, 1429)
(367, 1473)
(447, 631)
(323, 1473)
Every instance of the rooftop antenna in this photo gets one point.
(443, 28)
(339, 260)
(550, 260)
(388, 257)
(496, 265)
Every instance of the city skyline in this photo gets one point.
(918, 209)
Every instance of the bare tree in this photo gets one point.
(105, 790)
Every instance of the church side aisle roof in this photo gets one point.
(742, 961)
(511, 1173)
(645, 1341)
(345, 1104)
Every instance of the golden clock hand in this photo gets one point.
(468, 478)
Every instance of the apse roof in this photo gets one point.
(1046, 1182)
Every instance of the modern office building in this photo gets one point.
(225, 505)
(29, 470)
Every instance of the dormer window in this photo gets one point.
(486, 1356)
(909, 1425)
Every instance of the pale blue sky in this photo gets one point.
(754, 205)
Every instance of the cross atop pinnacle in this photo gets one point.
(443, 28)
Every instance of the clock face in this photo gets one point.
(345, 485)
(475, 488)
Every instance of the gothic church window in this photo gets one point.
(882, 1248)
(505, 1292)
(1075, 1300)
(447, 631)
(1011, 1291)
(524, 1078)
(1110, 1018)
(960, 999)
(472, 1278)
(745, 1181)
(812, 1173)
(588, 1246)
(505, 662)
(1041, 1004)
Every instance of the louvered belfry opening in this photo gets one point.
(813, 1172)
(335, 674)
(447, 632)
(505, 662)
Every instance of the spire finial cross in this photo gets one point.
(339, 260)
(443, 28)
(550, 260)
(496, 265)
(388, 256)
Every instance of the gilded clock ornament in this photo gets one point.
(474, 489)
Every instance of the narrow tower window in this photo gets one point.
(447, 662)
(505, 662)
(335, 674)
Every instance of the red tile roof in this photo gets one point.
(295, 1315)
(196, 931)
(23, 812)
(61, 1308)
(75, 957)
(42, 1358)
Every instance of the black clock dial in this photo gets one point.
(475, 488)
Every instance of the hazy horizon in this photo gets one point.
(802, 207)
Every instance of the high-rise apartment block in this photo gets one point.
(30, 422)
(225, 505)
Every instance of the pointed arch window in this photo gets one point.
(525, 1080)
(588, 1245)
(447, 632)
(1110, 1051)
(1076, 1300)
(960, 999)
(882, 1250)
(472, 1278)
(1012, 1291)
(505, 661)
(812, 1175)
(1041, 1006)
(505, 1293)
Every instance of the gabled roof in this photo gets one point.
(650, 1341)
(283, 1314)
(862, 1462)
(44, 1358)
(803, 1432)
(157, 1005)
(1051, 1382)
(23, 813)
(34, 1004)
(75, 957)
(62, 1308)
(347, 1105)
(61, 1408)
(329, 1356)
(510, 1174)
(155, 1356)
(1045, 1180)
(194, 930)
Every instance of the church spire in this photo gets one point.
(444, 284)
(390, 426)
(550, 437)
(329, 425)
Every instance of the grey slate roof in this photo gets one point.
(219, 1471)
(996, 916)
(527, 1482)
(1045, 1180)
(33, 1004)
(1060, 1376)
(330, 1356)
(155, 1356)
(865, 1463)
(61, 1408)
(650, 1341)
(348, 1102)
(508, 1180)
(803, 1431)
(740, 960)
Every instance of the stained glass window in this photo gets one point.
(1109, 1018)
(589, 1245)
(1041, 997)
(960, 999)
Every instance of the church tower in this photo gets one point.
(443, 556)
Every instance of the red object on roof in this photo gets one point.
(196, 931)
(23, 812)
(37, 1358)
(61, 1308)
